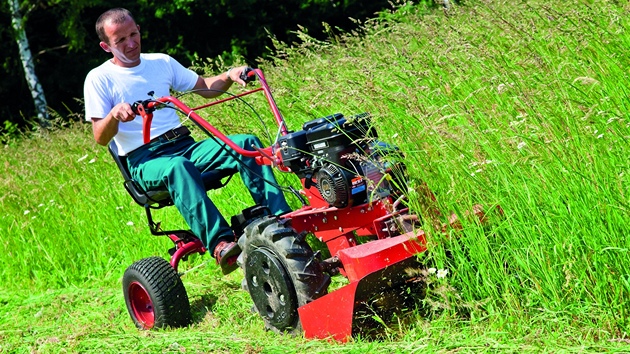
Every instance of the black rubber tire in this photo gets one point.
(155, 295)
(281, 274)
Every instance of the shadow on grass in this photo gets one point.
(201, 306)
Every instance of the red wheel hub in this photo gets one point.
(141, 305)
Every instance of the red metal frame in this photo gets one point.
(331, 315)
(184, 248)
(365, 265)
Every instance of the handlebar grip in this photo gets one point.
(134, 107)
(147, 106)
(248, 75)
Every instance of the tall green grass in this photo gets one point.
(522, 105)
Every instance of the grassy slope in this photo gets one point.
(522, 105)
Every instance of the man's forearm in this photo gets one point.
(215, 85)
(104, 129)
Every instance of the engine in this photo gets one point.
(344, 159)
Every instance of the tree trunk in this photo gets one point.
(39, 99)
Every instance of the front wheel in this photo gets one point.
(281, 273)
(155, 295)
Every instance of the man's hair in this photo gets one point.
(116, 16)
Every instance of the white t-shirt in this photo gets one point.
(109, 84)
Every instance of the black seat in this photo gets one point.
(160, 197)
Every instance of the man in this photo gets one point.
(172, 159)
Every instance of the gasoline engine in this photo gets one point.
(344, 160)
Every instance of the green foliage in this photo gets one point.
(9, 132)
(521, 105)
(61, 36)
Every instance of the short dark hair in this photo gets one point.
(117, 16)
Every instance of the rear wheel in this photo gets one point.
(155, 295)
(281, 273)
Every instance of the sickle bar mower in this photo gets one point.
(352, 191)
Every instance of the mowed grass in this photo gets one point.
(517, 105)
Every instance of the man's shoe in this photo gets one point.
(226, 254)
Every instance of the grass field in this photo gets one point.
(517, 104)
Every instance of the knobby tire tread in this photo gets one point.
(309, 282)
(167, 292)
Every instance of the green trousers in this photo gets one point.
(177, 165)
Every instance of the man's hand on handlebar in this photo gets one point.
(122, 112)
(242, 75)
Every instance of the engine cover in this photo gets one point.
(340, 188)
(361, 179)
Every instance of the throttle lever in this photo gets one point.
(141, 106)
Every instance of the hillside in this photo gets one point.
(518, 105)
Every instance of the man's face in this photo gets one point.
(124, 42)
